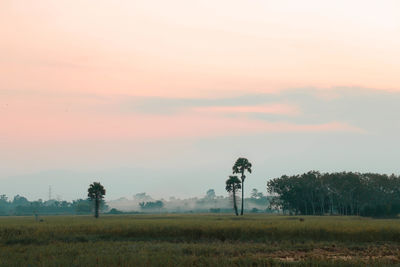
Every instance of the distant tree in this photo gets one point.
(20, 201)
(255, 194)
(96, 193)
(210, 194)
(142, 197)
(232, 185)
(115, 211)
(159, 205)
(259, 199)
(241, 166)
(4, 204)
(152, 205)
(81, 206)
(3, 198)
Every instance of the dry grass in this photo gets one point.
(187, 240)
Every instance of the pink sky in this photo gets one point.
(193, 48)
(67, 67)
(190, 49)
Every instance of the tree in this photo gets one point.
(152, 205)
(241, 166)
(81, 206)
(4, 204)
(96, 193)
(232, 185)
(20, 201)
(255, 194)
(142, 197)
(3, 198)
(210, 194)
(343, 193)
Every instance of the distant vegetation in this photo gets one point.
(20, 205)
(344, 193)
(210, 202)
(151, 205)
(312, 193)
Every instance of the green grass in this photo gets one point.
(202, 240)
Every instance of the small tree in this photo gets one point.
(152, 205)
(242, 165)
(232, 185)
(210, 194)
(96, 193)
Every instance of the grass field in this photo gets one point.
(198, 240)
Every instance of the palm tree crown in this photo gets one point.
(96, 191)
(242, 165)
(233, 184)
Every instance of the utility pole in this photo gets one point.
(49, 192)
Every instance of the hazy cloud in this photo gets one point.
(360, 107)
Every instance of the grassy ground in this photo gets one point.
(198, 240)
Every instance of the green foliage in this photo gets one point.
(82, 206)
(344, 193)
(232, 184)
(96, 191)
(21, 206)
(20, 201)
(241, 166)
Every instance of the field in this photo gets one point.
(198, 240)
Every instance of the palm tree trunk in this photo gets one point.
(241, 212)
(234, 202)
(96, 208)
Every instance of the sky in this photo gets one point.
(163, 96)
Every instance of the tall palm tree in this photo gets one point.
(242, 165)
(96, 192)
(232, 185)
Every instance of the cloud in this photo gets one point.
(46, 118)
(280, 109)
(287, 132)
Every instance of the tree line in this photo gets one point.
(312, 193)
(20, 205)
(340, 193)
(140, 203)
